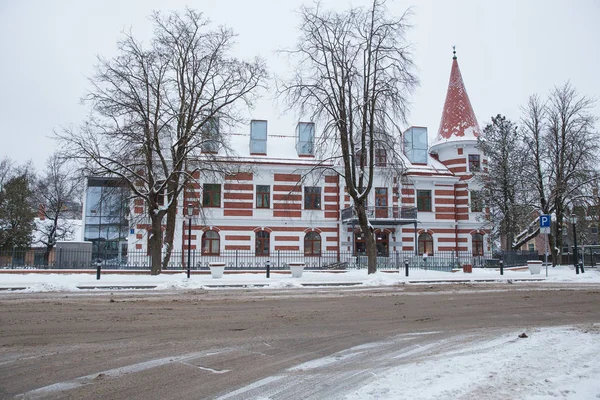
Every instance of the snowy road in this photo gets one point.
(409, 342)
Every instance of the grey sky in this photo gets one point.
(507, 50)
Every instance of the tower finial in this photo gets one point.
(454, 52)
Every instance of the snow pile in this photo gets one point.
(45, 282)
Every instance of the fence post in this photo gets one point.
(501, 267)
(279, 259)
(268, 265)
(406, 266)
(98, 267)
(236, 259)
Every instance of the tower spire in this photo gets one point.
(458, 118)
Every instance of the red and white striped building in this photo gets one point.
(281, 206)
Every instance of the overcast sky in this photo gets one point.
(507, 50)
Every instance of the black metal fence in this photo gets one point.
(247, 260)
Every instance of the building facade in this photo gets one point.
(293, 204)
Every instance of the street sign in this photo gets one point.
(545, 221)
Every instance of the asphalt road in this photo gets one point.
(243, 344)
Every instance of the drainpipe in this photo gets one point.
(455, 224)
(339, 224)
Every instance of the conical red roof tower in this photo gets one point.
(458, 118)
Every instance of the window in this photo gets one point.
(425, 244)
(415, 145)
(474, 163)
(263, 196)
(209, 132)
(312, 198)
(380, 158)
(360, 159)
(423, 200)
(305, 138)
(382, 242)
(211, 195)
(360, 245)
(258, 137)
(477, 244)
(262, 243)
(210, 243)
(476, 201)
(312, 244)
(531, 247)
(381, 203)
(594, 230)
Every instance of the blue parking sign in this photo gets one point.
(545, 221)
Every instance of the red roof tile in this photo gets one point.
(458, 118)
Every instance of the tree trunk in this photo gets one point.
(170, 229)
(367, 230)
(156, 242)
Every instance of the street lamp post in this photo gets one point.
(575, 258)
(190, 212)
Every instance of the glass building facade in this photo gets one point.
(107, 218)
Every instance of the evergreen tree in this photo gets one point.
(503, 190)
(16, 213)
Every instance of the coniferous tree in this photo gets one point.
(16, 213)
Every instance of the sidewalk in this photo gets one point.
(68, 281)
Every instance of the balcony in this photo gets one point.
(383, 215)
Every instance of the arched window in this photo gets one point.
(382, 241)
(312, 244)
(262, 243)
(211, 243)
(425, 244)
(477, 244)
(360, 245)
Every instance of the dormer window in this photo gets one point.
(305, 137)
(258, 137)
(415, 145)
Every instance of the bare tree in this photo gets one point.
(354, 74)
(562, 148)
(58, 195)
(157, 114)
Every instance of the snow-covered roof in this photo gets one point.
(458, 119)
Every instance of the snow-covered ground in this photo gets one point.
(45, 282)
(549, 363)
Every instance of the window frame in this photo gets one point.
(477, 245)
(478, 201)
(211, 242)
(262, 195)
(309, 198)
(312, 244)
(426, 239)
(359, 241)
(262, 238)
(474, 165)
(213, 195)
(419, 199)
(380, 157)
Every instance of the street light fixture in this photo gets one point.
(190, 213)
(575, 258)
